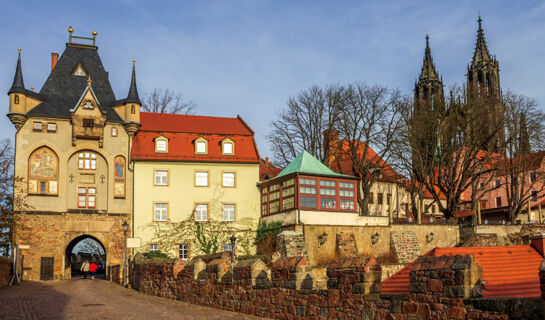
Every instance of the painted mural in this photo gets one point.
(119, 177)
(43, 171)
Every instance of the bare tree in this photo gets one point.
(522, 173)
(300, 126)
(167, 101)
(90, 246)
(368, 124)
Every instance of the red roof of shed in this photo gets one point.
(509, 271)
(182, 131)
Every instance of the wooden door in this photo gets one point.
(46, 268)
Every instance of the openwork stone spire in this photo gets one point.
(428, 67)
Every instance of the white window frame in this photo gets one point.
(199, 178)
(161, 145)
(231, 145)
(183, 251)
(200, 147)
(37, 126)
(153, 247)
(223, 181)
(162, 209)
(51, 127)
(228, 211)
(227, 247)
(161, 178)
(201, 212)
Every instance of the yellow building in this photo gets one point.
(195, 184)
(71, 155)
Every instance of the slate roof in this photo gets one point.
(182, 131)
(62, 90)
(509, 271)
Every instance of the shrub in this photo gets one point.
(265, 259)
(155, 254)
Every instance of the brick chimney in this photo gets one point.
(331, 145)
(538, 242)
(54, 59)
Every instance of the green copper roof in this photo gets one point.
(306, 163)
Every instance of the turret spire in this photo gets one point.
(428, 68)
(18, 84)
(133, 91)
(481, 50)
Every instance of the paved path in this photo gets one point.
(96, 299)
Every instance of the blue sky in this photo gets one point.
(248, 57)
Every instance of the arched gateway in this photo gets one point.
(71, 161)
(80, 249)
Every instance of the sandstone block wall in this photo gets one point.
(291, 244)
(405, 246)
(5, 271)
(291, 293)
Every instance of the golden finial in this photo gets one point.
(94, 33)
(19, 49)
(133, 61)
(70, 29)
(89, 81)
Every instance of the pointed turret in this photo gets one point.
(481, 54)
(18, 84)
(428, 67)
(133, 90)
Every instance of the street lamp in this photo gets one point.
(125, 226)
(233, 241)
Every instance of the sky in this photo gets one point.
(248, 57)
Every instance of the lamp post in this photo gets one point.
(125, 226)
(233, 242)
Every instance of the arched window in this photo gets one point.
(161, 144)
(227, 147)
(16, 99)
(43, 172)
(201, 146)
(87, 160)
(133, 109)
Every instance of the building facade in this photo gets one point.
(71, 160)
(195, 184)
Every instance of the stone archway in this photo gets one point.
(73, 262)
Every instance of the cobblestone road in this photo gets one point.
(96, 299)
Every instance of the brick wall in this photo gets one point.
(5, 271)
(291, 289)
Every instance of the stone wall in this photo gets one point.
(405, 246)
(49, 235)
(291, 244)
(5, 271)
(322, 245)
(290, 289)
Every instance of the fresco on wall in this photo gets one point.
(43, 167)
(119, 177)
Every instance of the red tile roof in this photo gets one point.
(267, 170)
(182, 131)
(509, 271)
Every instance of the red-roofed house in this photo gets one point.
(507, 271)
(193, 167)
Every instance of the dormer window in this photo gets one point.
(228, 147)
(79, 71)
(201, 146)
(161, 145)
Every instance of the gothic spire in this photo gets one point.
(428, 68)
(481, 50)
(133, 91)
(524, 139)
(18, 84)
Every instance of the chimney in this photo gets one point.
(331, 145)
(267, 161)
(538, 242)
(54, 59)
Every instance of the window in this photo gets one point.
(51, 127)
(228, 179)
(483, 204)
(347, 185)
(347, 194)
(201, 179)
(114, 132)
(498, 202)
(37, 126)
(16, 99)
(87, 197)
(328, 192)
(288, 191)
(153, 247)
(87, 161)
(133, 109)
(88, 123)
(379, 198)
(498, 183)
(228, 212)
(227, 247)
(228, 148)
(328, 203)
(388, 198)
(307, 190)
(328, 183)
(308, 202)
(533, 177)
(274, 206)
(534, 196)
(481, 185)
(432, 208)
(183, 251)
(160, 212)
(161, 177)
(371, 198)
(307, 181)
(347, 204)
(288, 203)
(161, 145)
(288, 183)
(201, 212)
(201, 146)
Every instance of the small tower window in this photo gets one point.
(114, 132)
(133, 109)
(16, 99)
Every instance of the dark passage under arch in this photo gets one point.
(81, 248)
